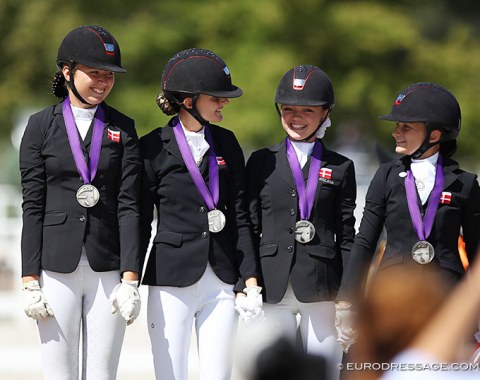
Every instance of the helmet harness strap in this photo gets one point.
(426, 144)
(71, 83)
(194, 111)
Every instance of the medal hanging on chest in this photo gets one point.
(304, 229)
(87, 195)
(422, 251)
(210, 194)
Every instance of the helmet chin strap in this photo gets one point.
(426, 145)
(194, 111)
(71, 84)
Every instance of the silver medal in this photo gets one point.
(423, 252)
(216, 220)
(304, 231)
(88, 195)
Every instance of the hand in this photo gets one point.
(346, 335)
(250, 306)
(126, 300)
(34, 302)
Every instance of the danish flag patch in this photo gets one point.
(446, 198)
(113, 135)
(220, 161)
(325, 173)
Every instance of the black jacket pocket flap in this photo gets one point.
(168, 237)
(268, 249)
(323, 251)
(54, 218)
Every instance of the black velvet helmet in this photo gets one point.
(305, 85)
(198, 71)
(92, 46)
(429, 103)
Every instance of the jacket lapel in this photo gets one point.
(281, 163)
(169, 141)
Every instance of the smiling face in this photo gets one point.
(409, 137)
(210, 107)
(92, 84)
(301, 121)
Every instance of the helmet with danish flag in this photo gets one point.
(431, 104)
(305, 85)
(198, 71)
(92, 46)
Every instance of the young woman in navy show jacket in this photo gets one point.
(301, 198)
(424, 199)
(81, 174)
(194, 175)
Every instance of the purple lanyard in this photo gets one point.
(87, 172)
(423, 227)
(210, 196)
(306, 196)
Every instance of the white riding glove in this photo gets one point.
(250, 307)
(346, 334)
(126, 300)
(34, 302)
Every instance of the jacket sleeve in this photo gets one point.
(366, 240)
(129, 198)
(148, 199)
(245, 250)
(471, 221)
(345, 219)
(33, 181)
(254, 165)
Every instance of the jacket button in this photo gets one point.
(293, 193)
(290, 249)
(202, 210)
(290, 230)
(292, 212)
(204, 235)
(82, 218)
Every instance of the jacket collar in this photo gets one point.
(85, 144)
(170, 143)
(283, 166)
(450, 169)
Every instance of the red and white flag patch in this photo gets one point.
(325, 173)
(220, 161)
(446, 198)
(113, 135)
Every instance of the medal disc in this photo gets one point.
(88, 195)
(423, 252)
(304, 231)
(216, 220)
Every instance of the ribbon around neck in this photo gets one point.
(209, 194)
(423, 226)
(86, 171)
(306, 195)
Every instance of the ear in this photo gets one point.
(188, 103)
(435, 136)
(66, 72)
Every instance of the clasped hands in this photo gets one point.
(249, 304)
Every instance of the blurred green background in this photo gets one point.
(371, 50)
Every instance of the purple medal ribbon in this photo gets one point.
(306, 196)
(423, 227)
(87, 172)
(210, 196)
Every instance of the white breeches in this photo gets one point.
(80, 302)
(171, 313)
(316, 321)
